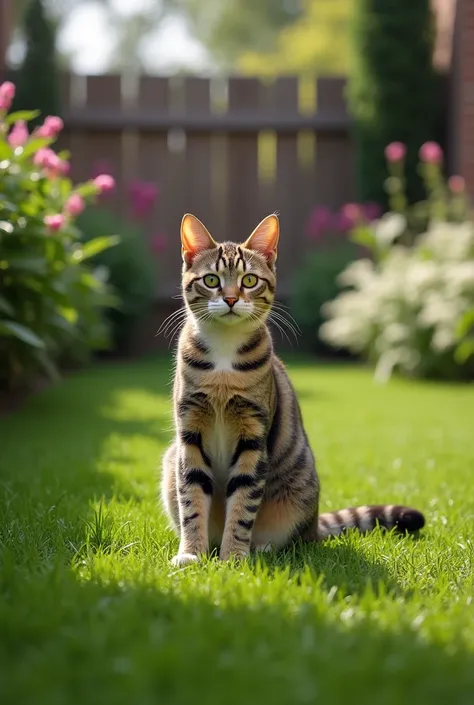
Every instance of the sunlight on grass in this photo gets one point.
(91, 608)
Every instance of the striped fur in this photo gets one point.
(240, 472)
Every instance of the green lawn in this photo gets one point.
(91, 611)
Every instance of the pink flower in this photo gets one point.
(320, 221)
(104, 183)
(64, 167)
(457, 184)
(54, 222)
(7, 93)
(46, 158)
(158, 243)
(51, 127)
(352, 211)
(19, 134)
(75, 204)
(395, 152)
(143, 195)
(372, 211)
(431, 153)
(344, 223)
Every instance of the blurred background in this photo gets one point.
(354, 119)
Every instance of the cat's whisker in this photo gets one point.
(282, 330)
(169, 319)
(277, 307)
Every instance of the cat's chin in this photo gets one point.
(231, 319)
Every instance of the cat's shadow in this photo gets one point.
(338, 564)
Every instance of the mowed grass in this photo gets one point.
(92, 612)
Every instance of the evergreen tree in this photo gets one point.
(393, 89)
(37, 80)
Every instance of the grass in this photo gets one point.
(91, 611)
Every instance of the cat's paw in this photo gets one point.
(182, 559)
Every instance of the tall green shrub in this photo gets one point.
(37, 81)
(393, 89)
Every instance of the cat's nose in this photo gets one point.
(230, 300)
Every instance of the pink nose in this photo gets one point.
(230, 301)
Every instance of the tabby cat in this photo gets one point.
(240, 472)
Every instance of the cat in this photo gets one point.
(240, 472)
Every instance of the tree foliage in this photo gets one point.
(317, 42)
(37, 82)
(393, 90)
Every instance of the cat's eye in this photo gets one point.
(212, 281)
(249, 280)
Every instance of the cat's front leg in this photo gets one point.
(245, 487)
(195, 489)
(244, 495)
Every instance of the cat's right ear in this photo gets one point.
(195, 238)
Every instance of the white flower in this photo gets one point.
(389, 227)
(443, 339)
(358, 274)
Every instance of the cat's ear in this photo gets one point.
(195, 238)
(264, 238)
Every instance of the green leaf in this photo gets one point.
(464, 351)
(17, 330)
(47, 364)
(32, 146)
(6, 152)
(69, 314)
(6, 306)
(36, 265)
(26, 115)
(466, 323)
(94, 247)
(87, 189)
(364, 236)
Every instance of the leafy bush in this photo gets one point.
(316, 278)
(51, 300)
(132, 271)
(393, 90)
(411, 307)
(314, 284)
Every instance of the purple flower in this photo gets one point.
(320, 221)
(143, 195)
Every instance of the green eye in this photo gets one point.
(249, 280)
(212, 281)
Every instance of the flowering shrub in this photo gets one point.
(132, 270)
(411, 306)
(51, 299)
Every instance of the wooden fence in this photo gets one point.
(228, 151)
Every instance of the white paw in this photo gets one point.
(182, 559)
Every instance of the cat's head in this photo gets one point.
(228, 283)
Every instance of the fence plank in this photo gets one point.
(163, 167)
(288, 185)
(93, 148)
(242, 205)
(197, 183)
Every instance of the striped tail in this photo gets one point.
(366, 518)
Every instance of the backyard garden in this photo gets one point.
(382, 309)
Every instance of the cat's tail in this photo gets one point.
(366, 518)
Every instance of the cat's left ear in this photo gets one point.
(195, 238)
(264, 238)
